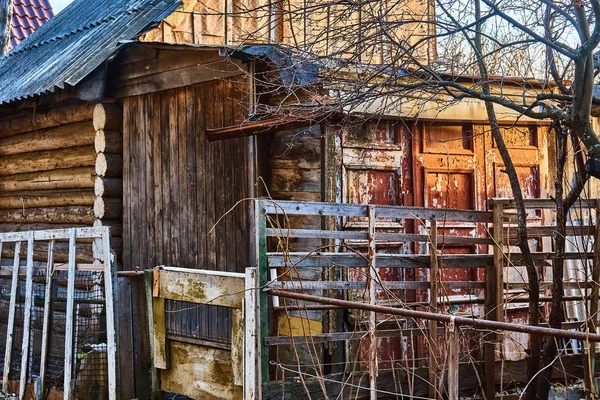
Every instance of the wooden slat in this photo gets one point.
(149, 295)
(355, 210)
(384, 260)
(374, 277)
(69, 321)
(358, 285)
(11, 317)
(432, 339)
(201, 286)
(109, 295)
(252, 346)
(358, 235)
(57, 234)
(237, 346)
(47, 304)
(27, 317)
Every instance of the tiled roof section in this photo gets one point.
(28, 15)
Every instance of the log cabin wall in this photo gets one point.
(180, 192)
(61, 167)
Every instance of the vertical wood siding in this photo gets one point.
(177, 186)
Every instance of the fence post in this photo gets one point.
(453, 361)
(373, 278)
(433, 325)
(593, 324)
(251, 344)
(494, 297)
(260, 224)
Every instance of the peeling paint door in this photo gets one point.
(376, 170)
(528, 146)
(450, 174)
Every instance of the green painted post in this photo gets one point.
(261, 263)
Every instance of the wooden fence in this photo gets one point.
(199, 369)
(359, 236)
(97, 364)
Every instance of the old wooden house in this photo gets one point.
(150, 117)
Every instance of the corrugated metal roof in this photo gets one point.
(28, 16)
(74, 43)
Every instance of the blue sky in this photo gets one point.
(58, 5)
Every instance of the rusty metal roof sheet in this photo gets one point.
(28, 16)
(74, 43)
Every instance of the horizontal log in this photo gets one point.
(34, 120)
(61, 252)
(48, 160)
(108, 116)
(63, 215)
(35, 199)
(109, 165)
(64, 136)
(70, 178)
(108, 142)
(116, 226)
(108, 187)
(110, 208)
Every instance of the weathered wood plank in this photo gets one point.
(11, 317)
(355, 210)
(358, 235)
(237, 346)
(109, 295)
(69, 321)
(46, 320)
(27, 317)
(201, 286)
(68, 178)
(357, 285)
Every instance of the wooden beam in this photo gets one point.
(200, 286)
(261, 127)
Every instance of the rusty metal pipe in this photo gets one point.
(478, 323)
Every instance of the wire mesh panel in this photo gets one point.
(62, 332)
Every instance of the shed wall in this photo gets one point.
(179, 192)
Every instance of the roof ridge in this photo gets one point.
(79, 29)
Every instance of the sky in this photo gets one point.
(58, 5)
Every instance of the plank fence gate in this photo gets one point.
(397, 273)
(61, 311)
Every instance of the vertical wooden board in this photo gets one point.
(219, 180)
(125, 339)
(70, 321)
(174, 201)
(251, 344)
(157, 169)
(192, 181)
(11, 317)
(109, 295)
(150, 132)
(229, 182)
(159, 336)
(237, 347)
(201, 188)
(47, 311)
(166, 166)
(127, 231)
(27, 317)
(182, 180)
(209, 168)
